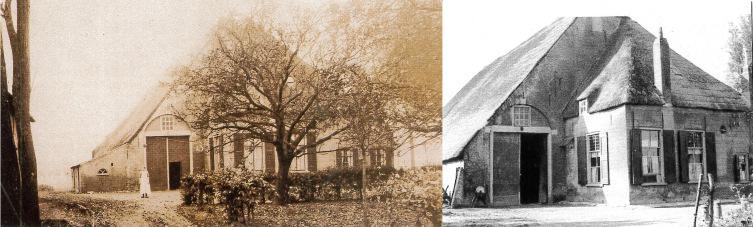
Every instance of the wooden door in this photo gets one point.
(506, 168)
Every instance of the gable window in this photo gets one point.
(102, 172)
(594, 158)
(167, 123)
(582, 106)
(521, 116)
(695, 155)
(652, 156)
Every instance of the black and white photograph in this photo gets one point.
(597, 113)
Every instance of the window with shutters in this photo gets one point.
(521, 116)
(742, 169)
(652, 156)
(593, 147)
(695, 155)
(253, 150)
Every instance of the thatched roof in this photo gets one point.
(628, 79)
(469, 109)
(132, 125)
(624, 75)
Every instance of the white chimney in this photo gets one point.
(661, 68)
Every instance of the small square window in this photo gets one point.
(583, 106)
(167, 123)
(521, 116)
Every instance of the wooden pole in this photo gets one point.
(697, 199)
(710, 204)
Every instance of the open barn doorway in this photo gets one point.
(533, 168)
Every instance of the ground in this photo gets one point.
(165, 209)
(118, 209)
(575, 215)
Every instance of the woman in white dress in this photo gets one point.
(144, 188)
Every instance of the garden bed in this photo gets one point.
(330, 213)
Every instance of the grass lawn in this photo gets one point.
(340, 213)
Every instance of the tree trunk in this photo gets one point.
(21, 96)
(283, 182)
(11, 181)
(363, 189)
(283, 172)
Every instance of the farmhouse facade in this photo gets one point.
(152, 137)
(593, 109)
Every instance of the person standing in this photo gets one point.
(144, 187)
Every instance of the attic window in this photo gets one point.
(583, 106)
(521, 116)
(102, 172)
(167, 123)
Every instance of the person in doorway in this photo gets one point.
(480, 195)
(144, 187)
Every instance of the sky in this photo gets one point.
(93, 61)
(477, 32)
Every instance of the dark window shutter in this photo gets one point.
(211, 154)
(711, 154)
(682, 152)
(604, 158)
(669, 156)
(356, 161)
(736, 171)
(221, 152)
(311, 139)
(338, 159)
(389, 156)
(269, 157)
(636, 157)
(238, 149)
(582, 168)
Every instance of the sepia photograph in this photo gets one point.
(597, 113)
(226, 113)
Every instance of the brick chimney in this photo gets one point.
(661, 68)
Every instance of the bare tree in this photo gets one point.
(23, 195)
(267, 80)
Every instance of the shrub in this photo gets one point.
(197, 189)
(45, 187)
(241, 191)
(417, 189)
(743, 214)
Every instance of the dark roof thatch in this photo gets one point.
(623, 76)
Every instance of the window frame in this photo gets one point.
(745, 171)
(589, 166)
(521, 122)
(661, 175)
(167, 123)
(583, 106)
(250, 147)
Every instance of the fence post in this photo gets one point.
(710, 204)
(697, 199)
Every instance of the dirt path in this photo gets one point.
(599, 215)
(119, 209)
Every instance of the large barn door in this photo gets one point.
(506, 168)
(156, 162)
